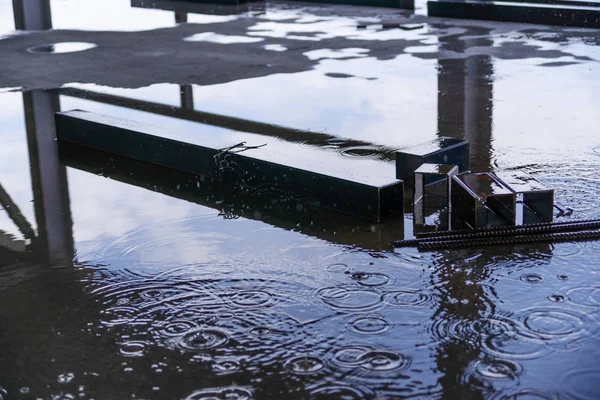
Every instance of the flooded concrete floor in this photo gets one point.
(165, 294)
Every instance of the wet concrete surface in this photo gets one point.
(170, 287)
(136, 59)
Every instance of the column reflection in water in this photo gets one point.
(465, 99)
(54, 241)
(32, 15)
(465, 90)
(461, 278)
(462, 302)
(48, 178)
(464, 112)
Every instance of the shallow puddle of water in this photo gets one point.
(174, 287)
(58, 48)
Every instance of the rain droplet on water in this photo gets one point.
(203, 339)
(304, 365)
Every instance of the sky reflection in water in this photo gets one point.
(181, 298)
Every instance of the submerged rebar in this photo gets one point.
(545, 225)
(502, 232)
(538, 238)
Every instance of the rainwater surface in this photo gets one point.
(174, 287)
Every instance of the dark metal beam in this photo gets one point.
(184, 7)
(375, 197)
(406, 4)
(587, 16)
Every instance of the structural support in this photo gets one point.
(440, 177)
(32, 15)
(406, 4)
(254, 168)
(560, 13)
(481, 200)
(188, 5)
(443, 150)
(48, 178)
(535, 202)
(181, 17)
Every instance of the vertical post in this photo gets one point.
(187, 97)
(32, 15)
(181, 17)
(48, 178)
(451, 98)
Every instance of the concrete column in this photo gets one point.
(48, 178)
(32, 15)
(479, 96)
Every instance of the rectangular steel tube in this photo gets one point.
(374, 198)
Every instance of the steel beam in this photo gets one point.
(481, 200)
(375, 198)
(214, 7)
(566, 14)
(535, 202)
(443, 150)
(438, 176)
(406, 4)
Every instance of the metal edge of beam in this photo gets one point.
(403, 4)
(195, 7)
(457, 154)
(577, 3)
(128, 139)
(585, 17)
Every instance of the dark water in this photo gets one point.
(171, 287)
